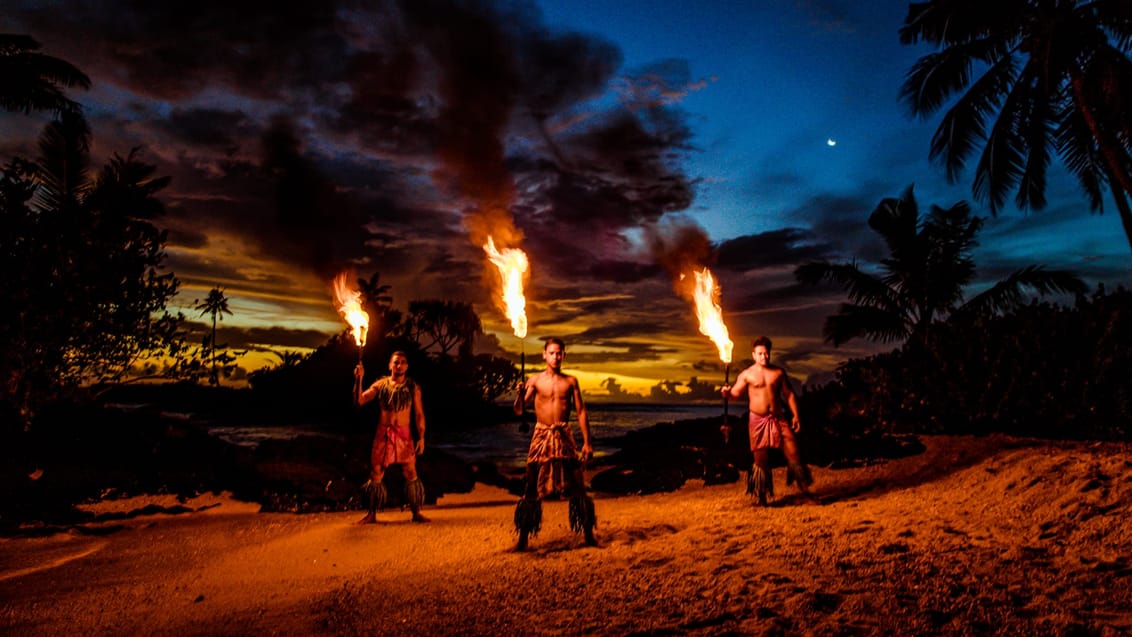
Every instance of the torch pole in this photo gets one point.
(726, 428)
(523, 426)
(358, 380)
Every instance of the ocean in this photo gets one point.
(503, 444)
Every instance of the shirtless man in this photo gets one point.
(400, 401)
(766, 386)
(553, 462)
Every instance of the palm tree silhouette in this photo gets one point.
(215, 304)
(922, 281)
(30, 81)
(1057, 74)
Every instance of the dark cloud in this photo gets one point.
(770, 249)
(395, 137)
(213, 129)
(612, 331)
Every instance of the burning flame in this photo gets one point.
(706, 295)
(350, 307)
(513, 265)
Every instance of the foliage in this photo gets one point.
(1042, 370)
(442, 325)
(458, 388)
(220, 360)
(32, 80)
(1055, 79)
(923, 279)
(83, 292)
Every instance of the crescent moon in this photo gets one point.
(831, 142)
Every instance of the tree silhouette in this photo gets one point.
(377, 302)
(444, 325)
(83, 292)
(922, 280)
(30, 81)
(1058, 76)
(216, 305)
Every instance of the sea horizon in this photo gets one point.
(503, 444)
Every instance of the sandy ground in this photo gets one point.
(976, 536)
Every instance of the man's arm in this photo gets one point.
(791, 401)
(362, 397)
(418, 408)
(523, 396)
(736, 390)
(583, 419)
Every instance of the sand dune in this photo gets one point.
(987, 535)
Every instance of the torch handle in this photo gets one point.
(523, 426)
(726, 428)
(358, 380)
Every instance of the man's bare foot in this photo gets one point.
(522, 545)
(417, 517)
(369, 519)
(807, 498)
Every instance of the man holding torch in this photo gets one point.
(553, 461)
(400, 401)
(767, 386)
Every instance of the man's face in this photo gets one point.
(398, 365)
(553, 355)
(761, 355)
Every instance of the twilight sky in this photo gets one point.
(609, 140)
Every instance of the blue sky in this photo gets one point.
(392, 137)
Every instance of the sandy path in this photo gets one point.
(976, 536)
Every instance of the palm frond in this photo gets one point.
(1081, 155)
(1037, 131)
(933, 79)
(1116, 18)
(1010, 293)
(963, 127)
(861, 287)
(957, 21)
(1001, 163)
(61, 169)
(896, 220)
(859, 321)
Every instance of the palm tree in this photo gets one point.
(30, 81)
(1058, 75)
(375, 297)
(215, 304)
(922, 281)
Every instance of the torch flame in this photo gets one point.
(349, 306)
(706, 295)
(512, 264)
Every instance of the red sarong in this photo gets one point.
(765, 430)
(393, 445)
(551, 446)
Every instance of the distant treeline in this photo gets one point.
(1043, 370)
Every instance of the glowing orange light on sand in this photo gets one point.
(706, 295)
(350, 307)
(513, 266)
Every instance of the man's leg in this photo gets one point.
(582, 515)
(760, 482)
(528, 513)
(414, 491)
(375, 489)
(796, 470)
